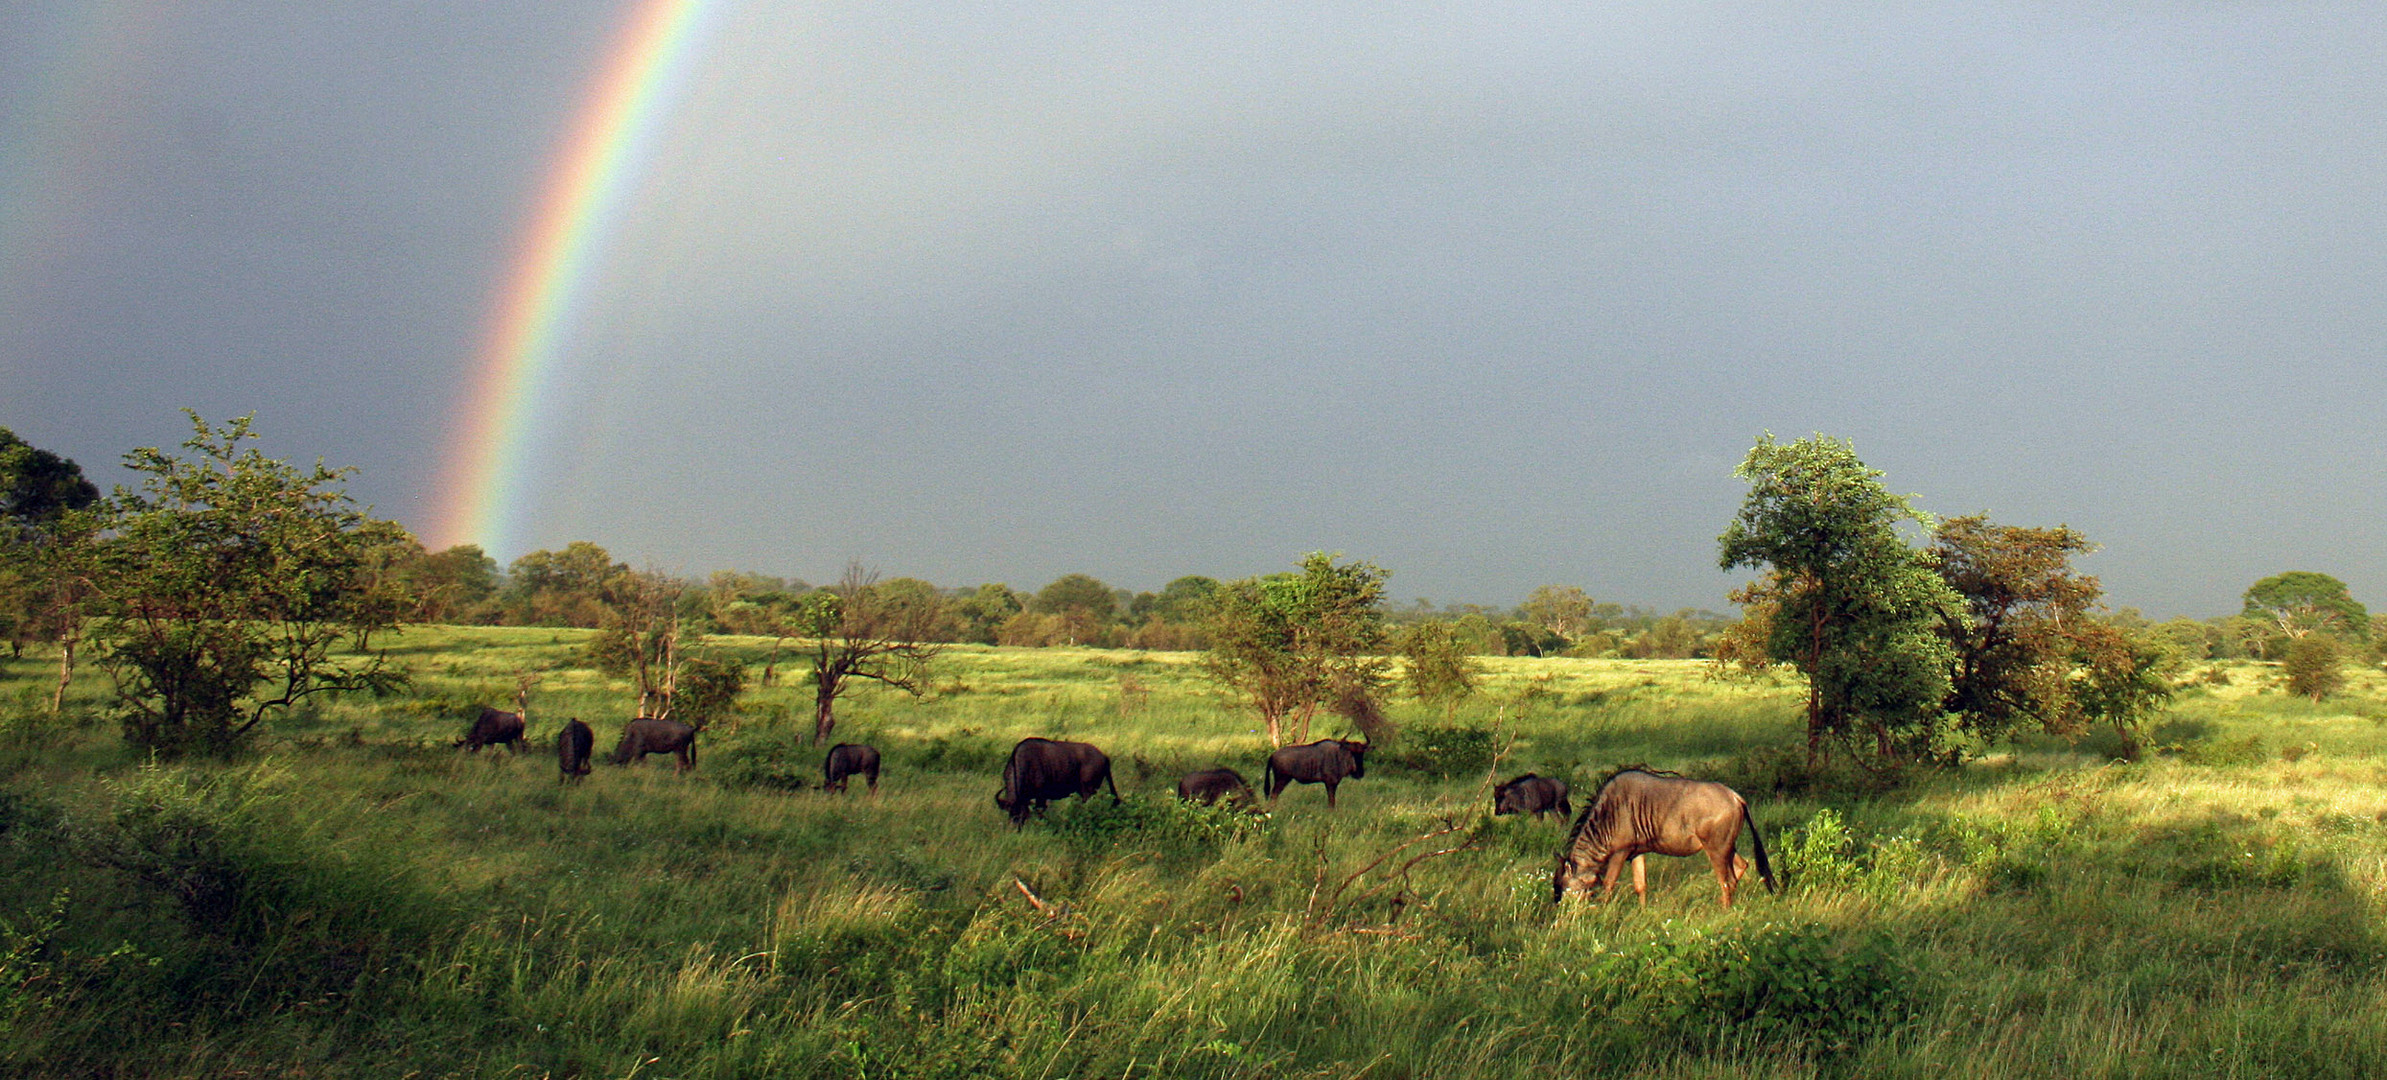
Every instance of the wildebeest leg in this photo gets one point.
(1611, 870)
(1640, 880)
(1726, 872)
(1330, 785)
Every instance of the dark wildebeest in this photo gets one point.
(574, 745)
(1530, 794)
(648, 735)
(1638, 812)
(850, 759)
(1210, 785)
(1041, 770)
(1327, 761)
(492, 727)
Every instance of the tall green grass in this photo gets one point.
(361, 899)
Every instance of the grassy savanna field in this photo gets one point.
(359, 899)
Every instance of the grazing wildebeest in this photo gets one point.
(649, 735)
(1210, 785)
(1041, 770)
(492, 727)
(1327, 761)
(1530, 794)
(1639, 812)
(850, 759)
(574, 745)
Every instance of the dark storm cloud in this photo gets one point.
(1495, 296)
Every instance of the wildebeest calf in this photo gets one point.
(1636, 813)
(1210, 785)
(574, 745)
(492, 727)
(648, 735)
(850, 759)
(1041, 770)
(1530, 794)
(1327, 761)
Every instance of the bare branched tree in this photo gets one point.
(861, 632)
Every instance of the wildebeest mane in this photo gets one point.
(1595, 806)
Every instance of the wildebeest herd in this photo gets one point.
(1634, 812)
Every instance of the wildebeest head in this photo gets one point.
(1359, 756)
(1508, 798)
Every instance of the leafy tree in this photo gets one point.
(640, 636)
(859, 632)
(2301, 602)
(2024, 625)
(1079, 611)
(706, 689)
(1076, 592)
(230, 585)
(450, 586)
(2315, 666)
(37, 486)
(1563, 610)
(1844, 599)
(560, 588)
(41, 495)
(1439, 669)
(2123, 677)
(1291, 642)
(982, 613)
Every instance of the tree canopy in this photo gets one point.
(1291, 642)
(2300, 602)
(1844, 599)
(230, 585)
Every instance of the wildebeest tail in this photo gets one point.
(1765, 870)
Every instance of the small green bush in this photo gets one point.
(1166, 823)
(1443, 750)
(764, 762)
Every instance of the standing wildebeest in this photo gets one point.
(648, 735)
(1210, 785)
(1327, 761)
(850, 759)
(574, 745)
(1041, 770)
(492, 727)
(1530, 794)
(1638, 812)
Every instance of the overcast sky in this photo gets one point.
(1491, 294)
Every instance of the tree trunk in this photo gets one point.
(1815, 689)
(66, 673)
(824, 709)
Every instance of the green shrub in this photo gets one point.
(1166, 823)
(2315, 667)
(1797, 987)
(1443, 751)
(764, 762)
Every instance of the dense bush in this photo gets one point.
(1444, 751)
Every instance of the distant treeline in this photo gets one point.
(573, 587)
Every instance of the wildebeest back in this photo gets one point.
(848, 760)
(650, 735)
(1636, 812)
(574, 746)
(1327, 761)
(492, 727)
(1210, 785)
(1531, 794)
(1041, 770)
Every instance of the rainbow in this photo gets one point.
(482, 496)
